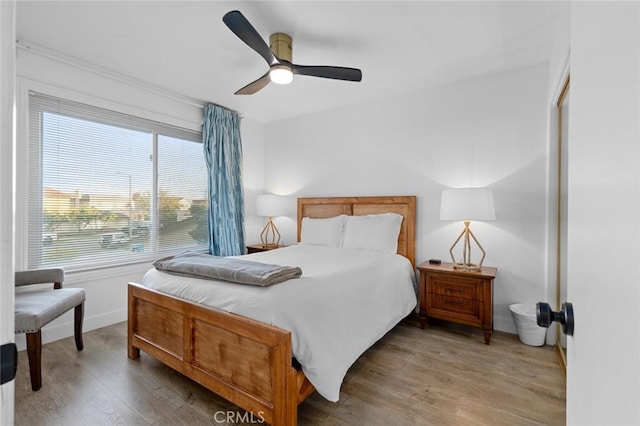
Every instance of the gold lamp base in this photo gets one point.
(467, 266)
(466, 235)
(270, 237)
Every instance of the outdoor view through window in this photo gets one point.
(98, 203)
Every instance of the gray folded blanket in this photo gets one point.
(227, 269)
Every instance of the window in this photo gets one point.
(106, 188)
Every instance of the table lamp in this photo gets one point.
(270, 206)
(467, 204)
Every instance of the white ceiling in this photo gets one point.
(400, 46)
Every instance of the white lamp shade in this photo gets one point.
(467, 204)
(272, 205)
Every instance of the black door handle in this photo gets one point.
(545, 316)
(9, 357)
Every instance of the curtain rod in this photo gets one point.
(109, 73)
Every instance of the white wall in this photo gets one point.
(106, 288)
(603, 377)
(252, 134)
(488, 131)
(7, 181)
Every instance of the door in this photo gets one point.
(7, 149)
(603, 238)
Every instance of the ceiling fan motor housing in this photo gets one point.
(280, 45)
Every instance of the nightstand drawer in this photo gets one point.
(451, 304)
(445, 286)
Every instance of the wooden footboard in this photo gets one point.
(244, 361)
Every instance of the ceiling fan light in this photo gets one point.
(281, 74)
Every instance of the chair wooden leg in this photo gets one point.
(34, 352)
(77, 325)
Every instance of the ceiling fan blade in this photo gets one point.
(337, 73)
(255, 86)
(247, 33)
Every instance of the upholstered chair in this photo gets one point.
(36, 308)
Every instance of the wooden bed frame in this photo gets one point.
(203, 343)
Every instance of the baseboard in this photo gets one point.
(62, 327)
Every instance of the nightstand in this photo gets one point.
(463, 297)
(257, 248)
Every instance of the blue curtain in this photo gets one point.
(223, 154)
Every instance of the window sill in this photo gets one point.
(83, 276)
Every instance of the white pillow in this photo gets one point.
(378, 232)
(325, 232)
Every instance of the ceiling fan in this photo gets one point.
(278, 56)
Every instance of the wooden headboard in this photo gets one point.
(322, 207)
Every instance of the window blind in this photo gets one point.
(107, 188)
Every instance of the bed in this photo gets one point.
(202, 342)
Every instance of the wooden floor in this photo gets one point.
(442, 375)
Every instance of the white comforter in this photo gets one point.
(344, 302)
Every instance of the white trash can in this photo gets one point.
(524, 315)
